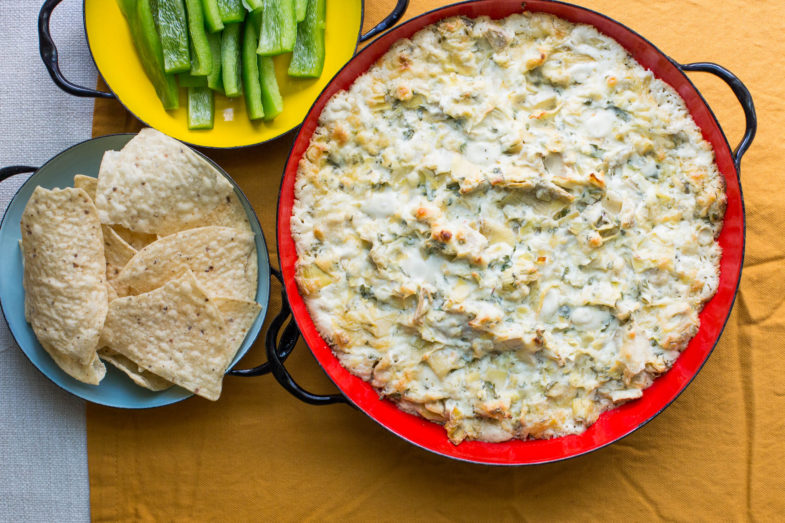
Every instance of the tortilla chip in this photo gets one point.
(111, 293)
(229, 214)
(157, 185)
(238, 316)
(65, 272)
(87, 183)
(175, 332)
(138, 375)
(222, 259)
(117, 252)
(137, 240)
(91, 373)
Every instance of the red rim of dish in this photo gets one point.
(612, 425)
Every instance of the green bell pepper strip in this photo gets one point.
(279, 28)
(231, 11)
(271, 96)
(201, 108)
(173, 28)
(308, 55)
(127, 7)
(230, 60)
(214, 81)
(300, 8)
(141, 21)
(253, 5)
(201, 58)
(253, 88)
(212, 15)
(186, 80)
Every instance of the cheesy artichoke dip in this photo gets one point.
(507, 226)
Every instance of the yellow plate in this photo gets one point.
(115, 56)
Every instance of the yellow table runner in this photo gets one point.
(717, 453)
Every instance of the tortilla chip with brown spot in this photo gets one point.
(222, 259)
(175, 332)
(87, 183)
(137, 240)
(117, 252)
(64, 272)
(158, 185)
(230, 213)
(238, 316)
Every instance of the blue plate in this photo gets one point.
(115, 390)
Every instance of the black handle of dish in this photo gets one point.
(288, 341)
(289, 337)
(7, 172)
(49, 56)
(744, 97)
(389, 21)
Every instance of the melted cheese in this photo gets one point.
(507, 227)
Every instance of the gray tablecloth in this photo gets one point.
(43, 455)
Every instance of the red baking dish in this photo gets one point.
(613, 424)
